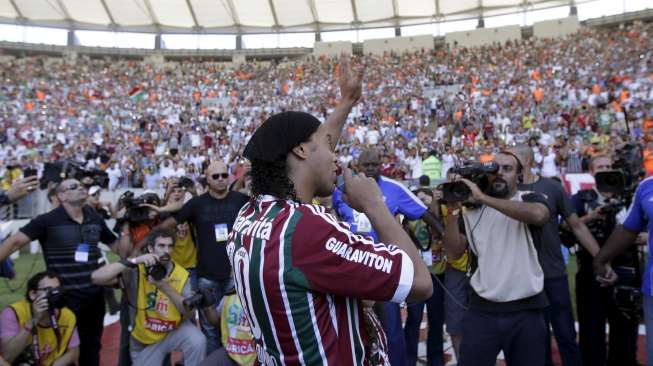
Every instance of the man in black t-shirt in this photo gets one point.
(69, 236)
(556, 286)
(596, 303)
(212, 215)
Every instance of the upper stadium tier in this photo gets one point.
(251, 16)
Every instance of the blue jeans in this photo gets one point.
(192, 276)
(648, 317)
(391, 320)
(519, 334)
(561, 318)
(218, 289)
(435, 313)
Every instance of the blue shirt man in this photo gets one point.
(397, 197)
(399, 201)
(638, 219)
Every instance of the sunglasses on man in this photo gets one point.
(217, 176)
(72, 187)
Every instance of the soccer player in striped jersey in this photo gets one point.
(300, 274)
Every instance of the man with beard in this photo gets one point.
(159, 322)
(399, 200)
(502, 229)
(559, 312)
(211, 215)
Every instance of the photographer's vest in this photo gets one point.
(50, 346)
(236, 333)
(157, 315)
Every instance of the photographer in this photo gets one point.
(136, 217)
(69, 236)
(211, 215)
(155, 288)
(39, 330)
(239, 347)
(596, 303)
(502, 230)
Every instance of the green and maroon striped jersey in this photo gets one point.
(301, 277)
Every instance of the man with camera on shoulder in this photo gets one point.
(601, 210)
(155, 287)
(501, 227)
(39, 329)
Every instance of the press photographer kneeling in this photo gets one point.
(500, 225)
(39, 330)
(602, 208)
(156, 287)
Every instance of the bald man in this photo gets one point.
(211, 215)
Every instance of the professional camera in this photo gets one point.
(157, 271)
(185, 182)
(135, 213)
(57, 171)
(55, 298)
(628, 159)
(479, 173)
(200, 299)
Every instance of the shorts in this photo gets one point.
(457, 284)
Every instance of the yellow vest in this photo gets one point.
(461, 264)
(157, 315)
(236, 332)
(50, 349)
(184, 252)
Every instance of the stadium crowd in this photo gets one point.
(552, 107)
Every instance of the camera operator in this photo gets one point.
(155, 288)
(596, 303)
(559, 313)
(399, 200)
(18, 189)
(69, 236)
(507, 301)
(39, 330)
(136, 217)
(211, 215)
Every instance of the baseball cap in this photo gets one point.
(279, 134)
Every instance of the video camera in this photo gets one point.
(135, 213)
(479, 173)
(57, 171)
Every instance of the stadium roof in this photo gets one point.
(250, 16)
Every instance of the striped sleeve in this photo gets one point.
(336, 261)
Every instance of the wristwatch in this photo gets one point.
(127, 262)
(455, 212)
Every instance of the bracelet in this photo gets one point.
(128, 263)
